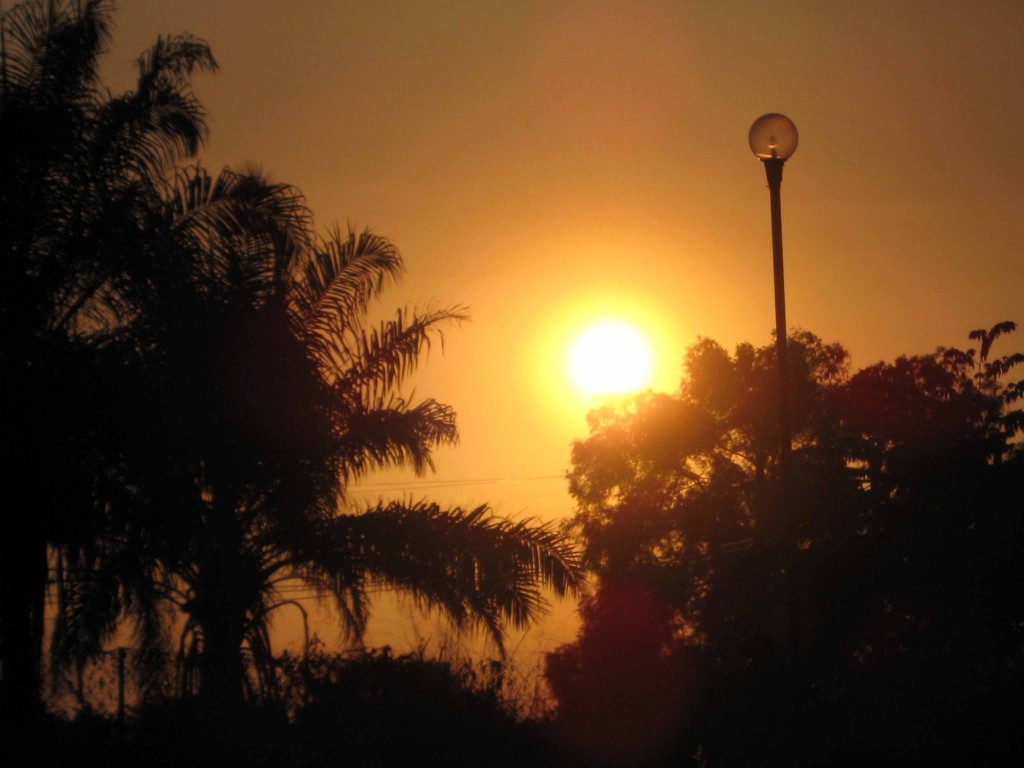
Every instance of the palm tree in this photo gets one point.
(263, 393)
(78, 168)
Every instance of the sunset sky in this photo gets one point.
(552, 164)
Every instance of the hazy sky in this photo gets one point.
(552, 163)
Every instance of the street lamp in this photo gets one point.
(773, 139)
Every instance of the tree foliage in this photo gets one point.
(882, 582)
(79, 170)
(198, 382)
(260, 392)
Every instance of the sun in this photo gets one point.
(610, 357)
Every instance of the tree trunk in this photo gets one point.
(221, 611)
(221, 668)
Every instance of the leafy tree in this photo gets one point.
(78, 166)
(891, 561)
(933, 607)
(622, 687)
(680, 493)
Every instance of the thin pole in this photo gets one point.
(773, 168)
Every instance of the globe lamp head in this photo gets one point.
(773, 137)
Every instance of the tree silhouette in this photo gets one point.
(933, 619)
(78, 167)
(889, 574)
(197, 384)
(261, 392)
(623, 687)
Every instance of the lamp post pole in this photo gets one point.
(773, 139)
(773, 167)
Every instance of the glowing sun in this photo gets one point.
(610, 358)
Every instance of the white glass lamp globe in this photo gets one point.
(773, 136)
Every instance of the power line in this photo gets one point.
(405, 485)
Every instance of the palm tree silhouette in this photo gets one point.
(262, 391)
(78, 168)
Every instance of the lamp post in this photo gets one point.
(773, 139)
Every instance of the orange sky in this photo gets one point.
(547, 163)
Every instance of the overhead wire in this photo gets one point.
(405, 485)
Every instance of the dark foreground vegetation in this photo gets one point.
(191, 384)
(861, 605)
(371, 709)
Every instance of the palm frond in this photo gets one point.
(139, 135)
(243, 231)
(477, 567)
(341, 277)
(172, 60)
(332, 574)
(377, 362)
(98, 587)
(235, 204)
(398, 436)
(164, 74)
(55, 45)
